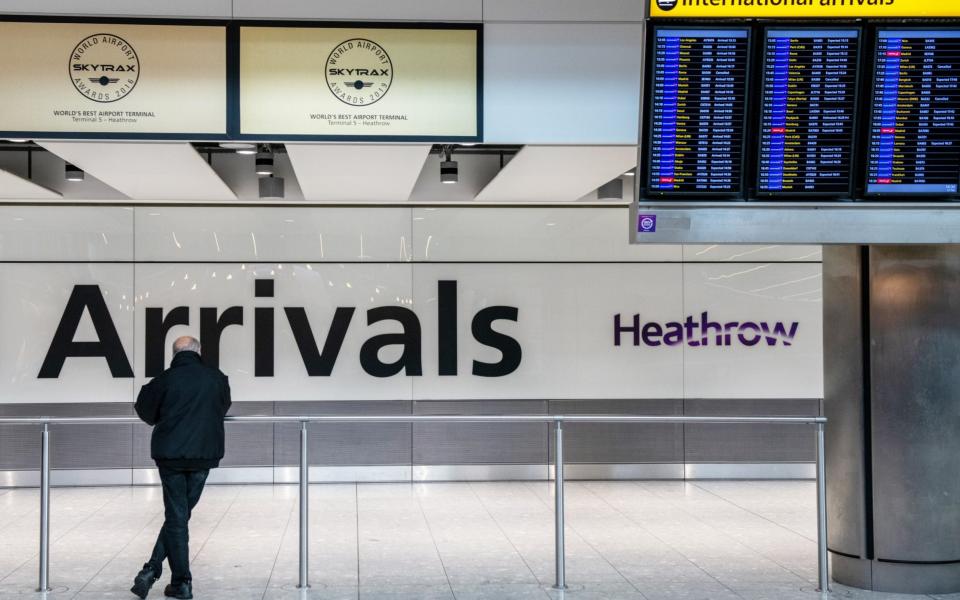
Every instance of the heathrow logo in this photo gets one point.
(666, 5)
(104, 67)
(703, 332)
(359, 72)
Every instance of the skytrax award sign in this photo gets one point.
(112, 80)
(343, 82)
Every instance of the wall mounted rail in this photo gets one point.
(823, 574)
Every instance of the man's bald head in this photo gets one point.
(186, 343)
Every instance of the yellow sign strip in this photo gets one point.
(801, 9)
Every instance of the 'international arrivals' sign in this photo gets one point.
(113, 79)
(795, 9)
(338, 82)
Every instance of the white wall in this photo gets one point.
(562, 83)
(568, 270)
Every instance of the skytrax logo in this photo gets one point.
(359, 72)
(104, 67)
(702, 332)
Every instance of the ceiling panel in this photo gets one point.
(14, 187)
(357, 172)
(558, 173)
(146, 171)
(111, 8)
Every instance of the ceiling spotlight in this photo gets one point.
(17, 140)
(630, 173)
(73, 173)
(271, 187)
(265, 161)
(239, 147)
(611, 191)
(449, 170)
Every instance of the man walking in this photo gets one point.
(186, 405)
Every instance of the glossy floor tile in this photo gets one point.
(462, 541)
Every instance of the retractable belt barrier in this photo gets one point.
(557, 420)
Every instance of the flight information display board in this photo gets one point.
(807, 111)
(698, 109)
(915, 117)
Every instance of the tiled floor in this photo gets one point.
(636, 540)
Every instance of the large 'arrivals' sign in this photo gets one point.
(112, 79)
(347, 82)
(800, 9)
(295, 331)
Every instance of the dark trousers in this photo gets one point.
(181, 492)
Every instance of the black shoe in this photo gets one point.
(144, 581)
(183, 591)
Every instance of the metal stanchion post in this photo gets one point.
(561, 582)
(44, 584)
(822, 556)
(304, 509)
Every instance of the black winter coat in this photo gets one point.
(186, 405)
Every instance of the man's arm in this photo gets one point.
(225, 395)
(148, 403)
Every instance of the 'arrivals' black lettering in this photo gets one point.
(263, 339)
(108, 344)
(263, 336)
(447, 327)
(211, 327)
(484, 333)
(317, 364)
(409, 360)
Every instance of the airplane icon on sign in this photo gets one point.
(104, 80)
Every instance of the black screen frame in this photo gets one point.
(74, 135)
(868, 129)
(666, 196)
(234, 92)
(855, 121)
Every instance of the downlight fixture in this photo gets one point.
(72, 172)
(239, 147)
(264, 160)
(449, 169)
(271, 187)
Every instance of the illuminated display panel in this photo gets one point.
(808, 111)
(698, 109)
(914, 133)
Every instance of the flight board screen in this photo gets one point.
(698, 110)
(914, 133)
(807, 112)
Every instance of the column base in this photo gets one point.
(896, 577)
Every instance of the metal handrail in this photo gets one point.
(442, 418)
(304, 488)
